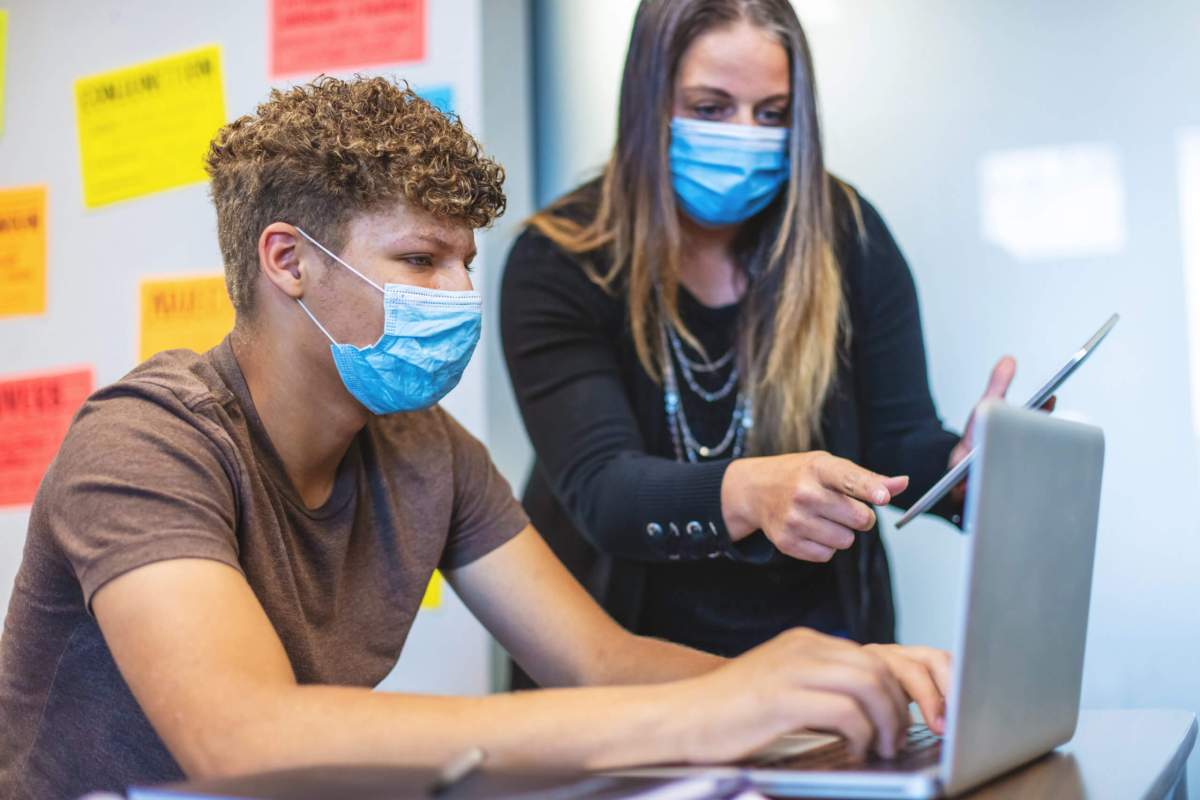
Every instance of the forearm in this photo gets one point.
(546, 620)
(643, 660)
(647, 508)
(640, 507)
(555, 728)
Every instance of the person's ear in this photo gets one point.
(279, 259)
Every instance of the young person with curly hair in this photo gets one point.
(229, 550)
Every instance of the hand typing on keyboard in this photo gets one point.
(804, 680)
(924, 673)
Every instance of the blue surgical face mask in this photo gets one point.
(723, 173)
(428, 338)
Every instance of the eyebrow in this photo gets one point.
(702, 88)
(718, 91)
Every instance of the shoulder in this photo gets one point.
(149, 443)
(534, 254)
(859, 228)
(171, 389)
(870, 260)
(160, 416)
(178, 379)
(544, 281)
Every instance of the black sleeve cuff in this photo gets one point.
(693, 526)
(688, 523)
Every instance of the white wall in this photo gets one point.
(96, 257)
(914, 95)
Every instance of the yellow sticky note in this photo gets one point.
(146, 128)
(192, 312)
(3, 55)
(433, 592)
(22, 251)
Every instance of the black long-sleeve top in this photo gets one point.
(645, 532)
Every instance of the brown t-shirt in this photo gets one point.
(172, 461)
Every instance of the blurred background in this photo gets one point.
(1039, 164)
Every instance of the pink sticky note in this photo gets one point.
(35, 411)
(314, 36)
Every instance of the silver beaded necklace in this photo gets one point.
(687, 447)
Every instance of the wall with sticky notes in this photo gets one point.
(108, 250)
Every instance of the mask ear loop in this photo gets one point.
(334, 256)
(318, 324)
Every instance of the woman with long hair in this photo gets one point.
(717, 351)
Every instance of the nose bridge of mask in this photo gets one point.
(727, 134)
(411, 309)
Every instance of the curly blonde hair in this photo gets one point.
(319, 153)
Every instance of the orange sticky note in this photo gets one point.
(192, 312)
(22, 251)
(35, 411)
(312, 36)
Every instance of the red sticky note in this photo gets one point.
(313, 36)
(35, 411)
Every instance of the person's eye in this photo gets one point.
(419, 260)
(470, 268)
(708, 111)
(773, 116)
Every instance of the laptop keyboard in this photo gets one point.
(922, 749)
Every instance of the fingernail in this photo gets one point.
(881, 497)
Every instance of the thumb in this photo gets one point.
(896, 485)
(1001, 378)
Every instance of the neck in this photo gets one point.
(708, 268)
(310, 419)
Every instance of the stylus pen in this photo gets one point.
(457, 770)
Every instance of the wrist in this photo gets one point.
(658, 725)
(686, 723)
(736, 504)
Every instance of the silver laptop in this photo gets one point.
(1032, 507)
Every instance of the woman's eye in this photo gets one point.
(708, 111)
(419, 261)
(773, 116)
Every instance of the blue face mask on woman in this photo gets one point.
(428, 338)
(723, 173)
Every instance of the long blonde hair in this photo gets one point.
(794, 310)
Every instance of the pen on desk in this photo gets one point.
(457, 769)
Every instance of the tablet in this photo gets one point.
(952, 478)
